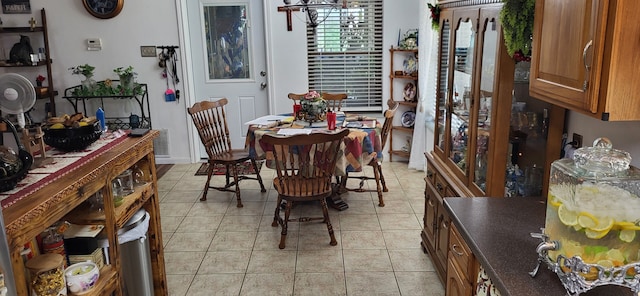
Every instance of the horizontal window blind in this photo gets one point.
(344, 54)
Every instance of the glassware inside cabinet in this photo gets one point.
(443, 78)
(462, 96)
(483, 132)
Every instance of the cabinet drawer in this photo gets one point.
(440, 185)
(431, 174)
(459, 252)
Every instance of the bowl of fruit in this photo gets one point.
(71, 133)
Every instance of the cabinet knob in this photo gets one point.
(454, 249)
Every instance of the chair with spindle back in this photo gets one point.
(334, 101)
(305, 165)
(210, 120)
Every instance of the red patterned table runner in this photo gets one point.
(62, 164)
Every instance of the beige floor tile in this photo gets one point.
(178, 284)
(200, 224)
(189, 241)
(402, 239)
(324, 260)
(362, 240)
(181, 196)
(233, 240)
(395, 206)
(183, 262)
(366, 260)
(249, 208)
(371, 283)
(216, 284)
(399, 221)
(170, 223)
(208, 208)
(174, 209)
(321, 283)
(419, 284)
(317, 238)
(410, 260)
(267, 284)
(233, 261)
(240, 223)
(359, 222)
(275, 261)
(269, 240)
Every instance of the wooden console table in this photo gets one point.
(63, 199)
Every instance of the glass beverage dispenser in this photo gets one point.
(593, 218)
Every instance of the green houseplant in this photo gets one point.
(516, 17)
(88, 84)
(127, 78)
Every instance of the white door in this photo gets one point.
(227, 43)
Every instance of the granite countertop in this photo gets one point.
(497, 231)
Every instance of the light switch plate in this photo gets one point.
(148, 51)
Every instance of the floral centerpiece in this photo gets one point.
(314, 107)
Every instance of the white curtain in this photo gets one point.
(427, 67)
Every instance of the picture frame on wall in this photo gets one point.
(16, 6)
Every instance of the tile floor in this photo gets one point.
(214, 248)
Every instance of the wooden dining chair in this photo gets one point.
(334, 101)
(210, 120)
(305, 165)
(376, 163)
(296, 97)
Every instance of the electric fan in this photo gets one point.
(17, 95)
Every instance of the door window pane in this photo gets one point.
(227, 41)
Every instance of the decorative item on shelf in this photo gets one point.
(435, 16)
(127, 79)
(88, 84)
(407, 144)
(516, 18)
(410, 40)
(39, 80)
(21, 52)
(408, 118)
(313, 107)
(409, 92)
(410, 66)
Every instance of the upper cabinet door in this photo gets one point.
(585, 57)
(443, 88)
(567, 46)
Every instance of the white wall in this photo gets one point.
(155, 22)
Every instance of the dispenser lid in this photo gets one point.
(602, 158)
(44, 262)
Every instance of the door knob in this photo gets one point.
(263, 85)
(263, 73)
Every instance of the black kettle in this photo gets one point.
(9, 182)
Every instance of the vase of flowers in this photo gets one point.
(86, 70)
(39, 80)
(314, 107)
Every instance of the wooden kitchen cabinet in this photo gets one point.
(585, 57)
(65, 199)
(462, 267)
(491, 137)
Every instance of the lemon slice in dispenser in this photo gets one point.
(566, 216)
(627, 235)
(603, 224)
(593, 234)
(587, 220)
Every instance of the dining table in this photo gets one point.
(360, 146)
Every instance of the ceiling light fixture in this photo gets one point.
(310, 8)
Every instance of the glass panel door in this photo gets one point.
(487, 74)
(443, 82)
(462, 86)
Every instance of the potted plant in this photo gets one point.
(127, 78)
(88, 84)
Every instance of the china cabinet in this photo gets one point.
(39, 37)
(405, 79)
(66, 199)
(585, 57)
(491, 137)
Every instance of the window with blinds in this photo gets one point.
(344, 54)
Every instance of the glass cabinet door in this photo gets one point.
(463, 68)
(443, 92)
(489, 32)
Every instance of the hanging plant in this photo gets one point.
(516, 17)
(435, 16)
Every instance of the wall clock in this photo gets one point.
(103, 9)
